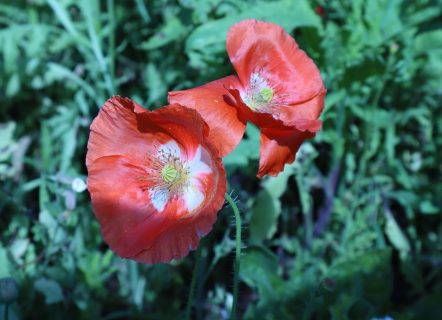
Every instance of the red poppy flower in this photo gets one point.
(155, 181)
(278, 88)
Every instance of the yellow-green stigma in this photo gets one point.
(259, 95)
(259, 100)
(169, 173)
(175, 176)
(266, 94)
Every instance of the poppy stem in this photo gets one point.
(6, 311)
(237, 254)
(193, 283)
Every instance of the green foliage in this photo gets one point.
(205, 46)
(351, 230)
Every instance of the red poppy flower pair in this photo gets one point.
(156, 179)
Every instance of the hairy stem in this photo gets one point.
(6, 314)
(193, 283)
(237, 254)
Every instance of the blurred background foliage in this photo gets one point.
(352, 230)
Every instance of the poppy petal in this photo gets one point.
(114, 131)
(264, 50)
(303, 116)
(176, 243)
(121, 205)
(214, 104)
(279, 147)
(184, 124)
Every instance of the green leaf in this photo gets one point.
(225, 247)
(429, 208)
(155, 83)
(248, 149)
(259, 269)
(430, 43)
(396, 235)
(13, 85)
(383, 18)
(427, 41)
(171, 31)
(56, 233)
(367, 274)
(267, 206)
(265, 212)
(69, 143)
(10, 51)
(60, 72)
(210, 37)
(50, 289)
(276, 186)
(142, 9)
(19, 248)
(4, 263)
(6, 139)
(63, 16)
(45, 147)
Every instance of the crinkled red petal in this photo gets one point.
(185, 125)
(303, 116)
(214, 104)
(122, 206)
(278, 148)
(115, 131)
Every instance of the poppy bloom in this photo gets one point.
(278, 88)
(155, 181)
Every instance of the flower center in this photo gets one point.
(266, 94)
(259, 95)
(169, 173)
(175, 176)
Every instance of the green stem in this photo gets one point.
(237, 255)
(6, 315)
(111, 13)
(193, 283)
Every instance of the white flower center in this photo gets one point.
(259, 94)
(173, 176)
